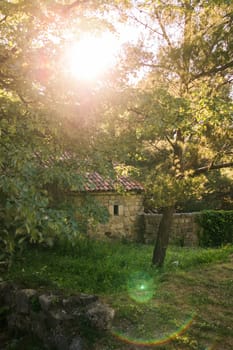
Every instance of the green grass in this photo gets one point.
(102, 267)
(90, 267)
(189, 301)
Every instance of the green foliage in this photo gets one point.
(186, 259)
(216, 194)
(217, 228)
(88, 266)
(178, 118)
(100, 267)
(184, 293)
(177, 123)
(45, 145)
(35, 304)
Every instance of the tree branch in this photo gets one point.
(213, 70)
(152, 144)
(3, 19)
(170, 142)
(144, 24)
(229, 81)
(205, 169)
(139, 113)
(166, 37)
(153, 65)
(23, 99)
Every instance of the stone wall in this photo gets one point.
(131, 223)
(59, 322)
(123, 209)
(184, 228)
(126, 223)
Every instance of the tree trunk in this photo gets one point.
(163, 237)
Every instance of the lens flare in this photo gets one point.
(155, 342)
(90, 57)
(141, 287)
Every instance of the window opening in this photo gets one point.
(116, 209)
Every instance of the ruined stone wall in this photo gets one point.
(184, 229)
(60, 322)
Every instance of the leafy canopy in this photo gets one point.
(177, 124)
(48, 122)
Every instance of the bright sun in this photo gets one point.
(90, 57)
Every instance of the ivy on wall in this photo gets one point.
(216, 228)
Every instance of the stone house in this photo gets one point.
(124, 200)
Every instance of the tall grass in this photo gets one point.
(188, 258)
(102, 267)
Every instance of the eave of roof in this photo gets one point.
(96, 183)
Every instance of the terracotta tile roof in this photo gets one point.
(96, 183)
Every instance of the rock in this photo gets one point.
(60, 342)
(86, 299)
(78, 300)
(6, 293)
(23, 298)
(58, 317)
(100, 316)
(54, 320)
(46, 301)
(19, 322)
(76, 344)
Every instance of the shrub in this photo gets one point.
(216, 228)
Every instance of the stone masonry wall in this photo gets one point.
(184, 228)
(133, 224)
(124, 224)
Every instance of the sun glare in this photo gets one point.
(92, 56)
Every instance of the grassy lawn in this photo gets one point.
(186, 305)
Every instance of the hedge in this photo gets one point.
(216, 228)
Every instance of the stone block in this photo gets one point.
(76, 344)
(23, 298)
(100, 316)
(60, 341)
(57, 324)
(46, 301)
(78, 300)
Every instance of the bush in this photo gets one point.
(216, 228)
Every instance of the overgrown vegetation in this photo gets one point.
(217, 228)
(45, 147)
(102, 267)
(171, 128)
(185, 305)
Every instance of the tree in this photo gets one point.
(177, 126)
(48, 122)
